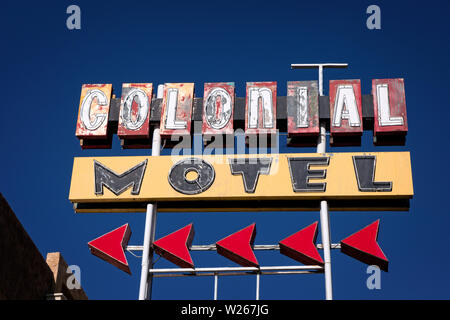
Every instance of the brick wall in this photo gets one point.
(24, 273)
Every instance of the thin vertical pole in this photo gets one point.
(324, 216)
(145, 287)
(257, 285)
(325, 231)
(147, 256)
(216, 276)
(321, 148)
(321, 80)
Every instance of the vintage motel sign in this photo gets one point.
(260, 112)
(350, 181)
(278, 182)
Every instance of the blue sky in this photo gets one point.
(44, 65)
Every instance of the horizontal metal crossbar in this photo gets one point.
(212, 247)
(241, 273)
(222, 271)
(315, 65)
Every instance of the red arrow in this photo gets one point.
(363, 246)
(301, 246)
(174, 247)
(111, 247)
(238, 247)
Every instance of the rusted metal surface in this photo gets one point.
(345, 107)
(261, 108)
(303, 108)
(389, 107)
(176, 109)
(135, 109)
(346, 112)
(92, 122)
(218, 108)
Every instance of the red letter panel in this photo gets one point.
(303, 108)
(218, 107)
(261, 108)
(389, 107)
(345, 107)
(135, 108)
(176, 109)
(93, 111)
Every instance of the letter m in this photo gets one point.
(118, 183)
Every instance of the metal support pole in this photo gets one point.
(257, 285)
(325, 231)
(145, 287)
(216, 278)
(324, 215)
(147, 256)
(321, 80)
(325, 224)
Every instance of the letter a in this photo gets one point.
(74, 20)
(374, 20)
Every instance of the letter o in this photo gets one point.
(178, 176)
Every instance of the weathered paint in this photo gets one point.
(217, 112)
(397, 106)
(339, 175)
(139, 122)
(184, 99)
(95, 124)
(302, 121)
(262, 113)
(345, 127)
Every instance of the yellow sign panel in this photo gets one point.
(349, 181)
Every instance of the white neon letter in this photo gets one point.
(302, 111)
(171, 119)
(85, 111)
(215, 119)
(384, 112)
(143, 106)
(255, 96)
(345, 96)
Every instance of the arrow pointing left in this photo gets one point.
(111, 247)
(238, 247)
(363, 246)
(175, 246)
(301, 246)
